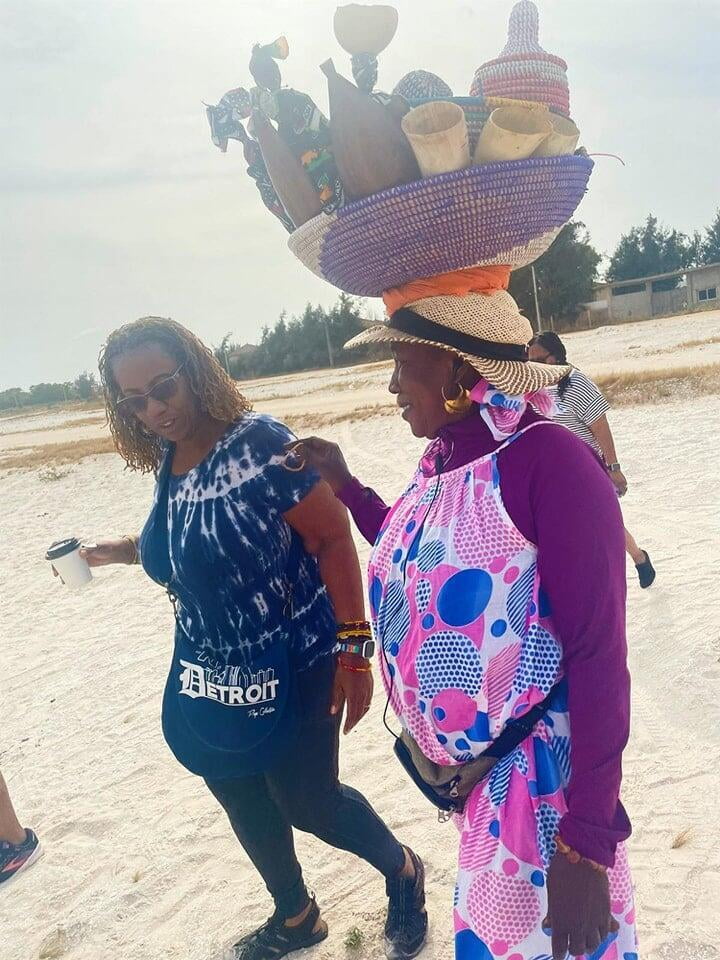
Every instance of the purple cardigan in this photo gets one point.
(559, 497)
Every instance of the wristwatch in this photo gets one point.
(613, 468)
(361, 648)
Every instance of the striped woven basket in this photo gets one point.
(503, 213)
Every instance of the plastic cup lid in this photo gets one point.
(61, 548)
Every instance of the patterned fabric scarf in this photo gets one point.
(502, 413)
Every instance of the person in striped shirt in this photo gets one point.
(583, 409)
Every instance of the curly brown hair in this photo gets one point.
(216, 392)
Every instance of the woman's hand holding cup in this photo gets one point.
(101, 553)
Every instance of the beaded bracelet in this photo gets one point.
(353, 668)
(574, 857)
(353, 625)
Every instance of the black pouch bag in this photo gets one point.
(448, 787)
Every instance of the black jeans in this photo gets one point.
(303, 791)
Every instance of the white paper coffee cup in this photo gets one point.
(65, 557)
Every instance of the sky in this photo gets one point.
(115, 204)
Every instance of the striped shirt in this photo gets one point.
(580, 406)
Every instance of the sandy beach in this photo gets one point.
(140, 863)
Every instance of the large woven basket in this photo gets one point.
(505, 213)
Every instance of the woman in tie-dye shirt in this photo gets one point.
(257, 556)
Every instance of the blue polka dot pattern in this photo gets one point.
(431, 555)
(464, 596)
(447, 659)
(431, 494)
(539, 661)
(547, 819)
(521, 762)
(423, 593)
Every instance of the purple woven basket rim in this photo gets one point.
(488, 171)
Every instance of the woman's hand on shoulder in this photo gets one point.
(324, 457)
(578, 907)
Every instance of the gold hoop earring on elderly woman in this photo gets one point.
(459, 404)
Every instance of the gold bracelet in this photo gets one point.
(133, 541)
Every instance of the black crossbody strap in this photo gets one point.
(517, 730)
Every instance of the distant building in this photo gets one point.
(246, 352)
(646, 297)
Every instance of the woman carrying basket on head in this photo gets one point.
(497, 586)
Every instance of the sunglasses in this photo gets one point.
(163, 391)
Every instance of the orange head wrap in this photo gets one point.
(458, 283)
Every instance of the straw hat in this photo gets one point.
(524, 70)
(487, 331)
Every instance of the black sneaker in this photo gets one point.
(274, 939)
(646, 572)
(15, 857)
(407, 923)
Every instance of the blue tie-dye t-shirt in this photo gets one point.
(238, 568)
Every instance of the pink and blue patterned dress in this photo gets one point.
(467, 642)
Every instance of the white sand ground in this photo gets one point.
(140, 863)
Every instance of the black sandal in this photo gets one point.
(274, 939)
(646, 572)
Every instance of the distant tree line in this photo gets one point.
(82, 388)
(312, 340)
